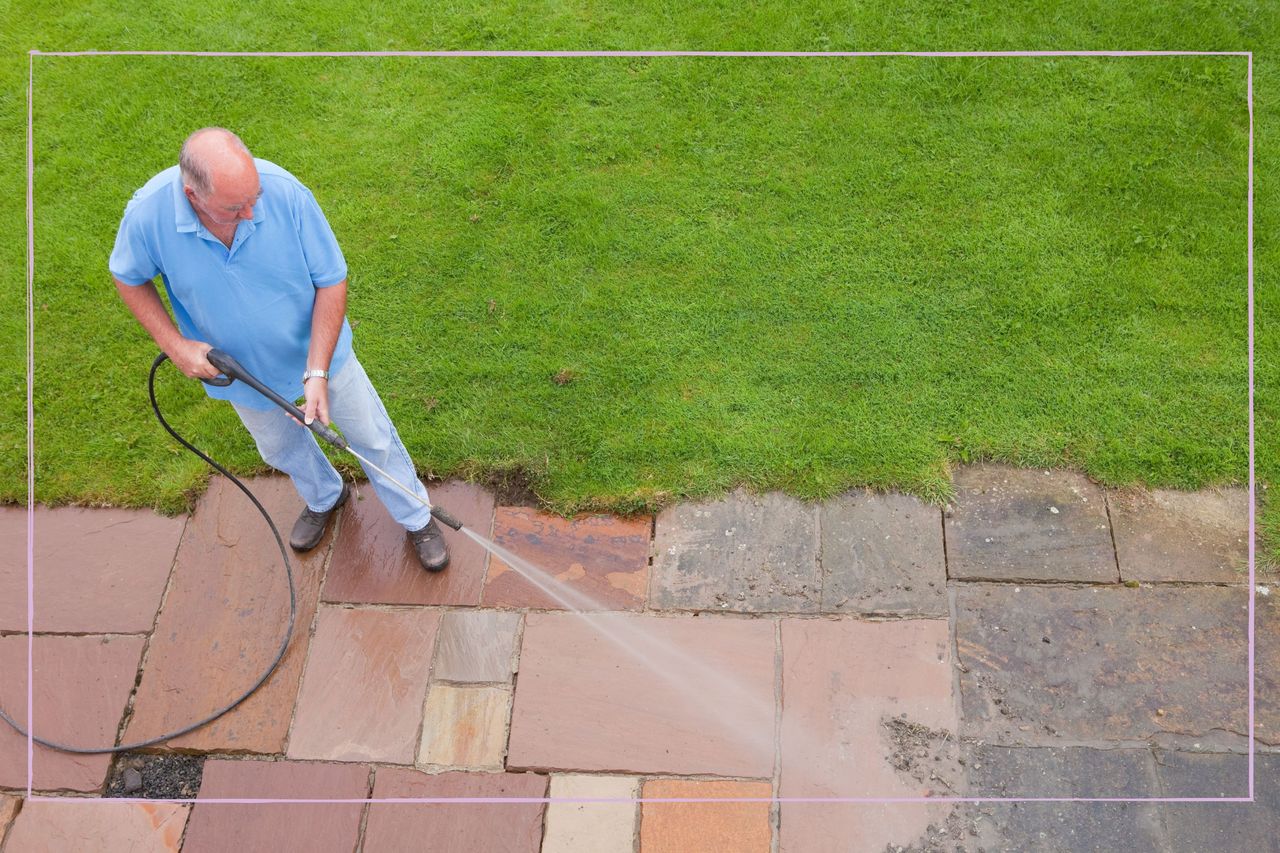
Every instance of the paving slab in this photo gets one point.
(645, 694)
(476, 646)
(8, 810)
(465, 727)
(599, 827)
(374, 563)
(222, 623)
(261, 826)
(745, 553)
(97, 571)
(1266, 667)
(82, 686)
(1028, 524)
(1182, 536)
(598, 562)
(852, 692)
(882, 553)
(509, 827)
(98, 825)
(1221, 826)
(366, 678)
(709, 827)
(1039, 664)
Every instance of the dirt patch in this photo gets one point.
(928, 756)
(156, 777)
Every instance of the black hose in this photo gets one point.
(284, 644)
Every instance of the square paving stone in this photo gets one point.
(645, 694)
(465, 727)
(508, 827)
(1182, 536)
(1266, 668)
(594, 562)
(1041, 664)
(846, 686)
(601, 827)
(1020, 524)
(98, 825)
(883, 554)
(746, 553)
(709, 827)
(361, 697)
(82, 685)
(1221, 826)
(98, 571)
(374, 562)
(268, 826)
(476, 646)
(223, 620)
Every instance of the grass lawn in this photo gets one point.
(633, 280)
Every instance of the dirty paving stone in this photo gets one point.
(1039, 664)
(882, 554)
(1019, 524)
(156, 777)
(745, 553)
(1182, 536)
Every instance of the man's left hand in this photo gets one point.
(316, 392)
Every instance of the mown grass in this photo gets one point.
(798, 274)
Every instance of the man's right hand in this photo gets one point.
(190, 358)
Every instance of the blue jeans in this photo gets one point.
(355, 409)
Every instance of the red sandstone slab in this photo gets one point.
(709, 827)
(98, 825)
(645, 694)
(8, 809)
(1166, 535)
(598, 562)
(82, 685)
(314, 828)
(845, 685)
(507, 827)
(362, 696)
(373, 562)
(223, 620)
(97, 571)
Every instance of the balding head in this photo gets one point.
(211, 156)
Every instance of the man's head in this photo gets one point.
(218, 176)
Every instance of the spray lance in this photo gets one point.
(232, 370)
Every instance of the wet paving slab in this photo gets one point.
(1043, 663)
(743, 827)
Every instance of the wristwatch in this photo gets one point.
(312, 374)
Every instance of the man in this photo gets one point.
(252, 267)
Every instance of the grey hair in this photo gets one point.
(195, 172)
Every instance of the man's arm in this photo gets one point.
(326, 326)
(188, 355)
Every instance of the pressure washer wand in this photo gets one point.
(232, 370)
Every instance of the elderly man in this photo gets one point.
(252, 267)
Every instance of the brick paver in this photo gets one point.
(373, 562)
(99, 571)
(1180, 536)
(476, 646)
(101, 826)
(465, 727)
(599, 827)
(362, 694)
(223, 620)
(705, 827)
(242, 827)
(745, 553)
(82, 685)
(598, 562)
(645, 694)
(509, 827)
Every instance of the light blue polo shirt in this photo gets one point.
(254, 300)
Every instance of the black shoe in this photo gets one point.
(309, 529)
(429, 545)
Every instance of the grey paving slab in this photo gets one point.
(1266, 667)
(1221, 826)
(475, 646)
(1040, 663)
(882, 553)
(745, 553)
(1182, 536)
(1028, 524)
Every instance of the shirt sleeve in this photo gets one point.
(131, 260)
(319, 245)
